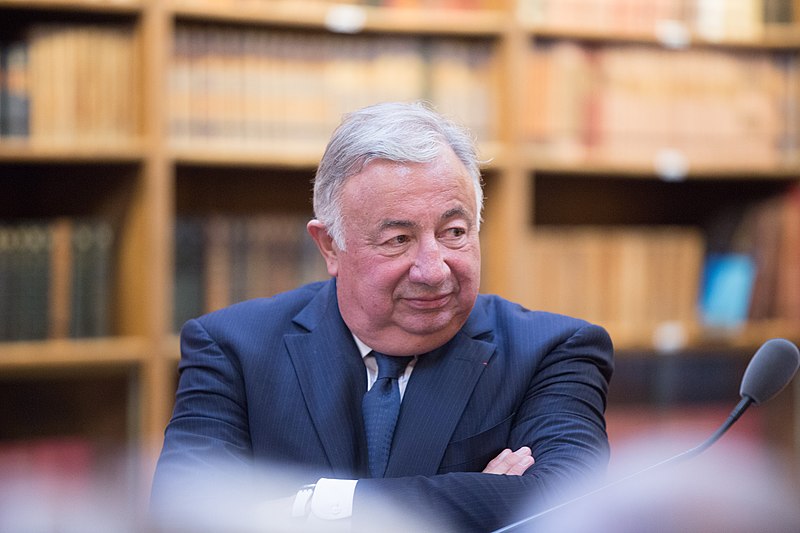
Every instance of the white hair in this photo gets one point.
(399, 132)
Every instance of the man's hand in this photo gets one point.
(510, 463)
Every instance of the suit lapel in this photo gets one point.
(332, 380)
(436, 396)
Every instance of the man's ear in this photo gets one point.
(325, 244)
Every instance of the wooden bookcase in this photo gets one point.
(146, 174)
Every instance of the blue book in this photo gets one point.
(726, 289)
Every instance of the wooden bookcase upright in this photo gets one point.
(144, 179)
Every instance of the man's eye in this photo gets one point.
(455, 232)
(399, 239)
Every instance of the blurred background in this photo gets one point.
(642, 172)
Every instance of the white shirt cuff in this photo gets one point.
(333, 498)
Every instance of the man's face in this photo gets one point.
(409, 276)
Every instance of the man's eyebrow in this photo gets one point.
(388, 224)
(456, 212)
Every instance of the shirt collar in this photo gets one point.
(362, 348)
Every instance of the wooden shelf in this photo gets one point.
(111, 7)
(27, 355)
(347, 18)
(748, 336)
(19, 151)
(584, 169)
(751, 334)
(773, 38)
(293, 156)
(152, 180)
(299, 156)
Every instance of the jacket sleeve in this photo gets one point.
(561, 418)
(209, 425)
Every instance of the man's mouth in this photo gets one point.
(429, 301)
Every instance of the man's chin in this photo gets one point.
(434, 325)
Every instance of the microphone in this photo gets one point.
(770, 370)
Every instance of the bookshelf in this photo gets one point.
(183, 126)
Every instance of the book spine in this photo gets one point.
(60, 276)
(3, 91)
(189, 270)
(81, 280)
(16, 98)
(100, 287)
(7, 286)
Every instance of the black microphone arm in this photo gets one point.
(772, 368)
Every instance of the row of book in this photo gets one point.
(56, 276)
(55, 279)
(630, 103)
(631, 280)
(257, 86)
(66, 82)
(223, 259)
(767, 234)
(667, 284)
(711, 19)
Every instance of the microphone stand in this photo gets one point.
(737, 412)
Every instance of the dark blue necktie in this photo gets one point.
(380, 407)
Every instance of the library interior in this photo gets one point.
(642, 172)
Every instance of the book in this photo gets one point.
(631, 104)
(763, 226)
(24, 248)
(255, 87)
(224, 258)
(79, 78)
(778, 11)
(189, 280)
(60, 296)
(217, 283)
(56, 278)
(788, 282)
(727, 289)
(14, 90)
(7, 285)
(633, 281)
(81, 280)
(767, 233)
(33, 278)
(713, 19)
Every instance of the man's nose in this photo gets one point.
(429, 265)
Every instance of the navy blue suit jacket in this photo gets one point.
(281, 380)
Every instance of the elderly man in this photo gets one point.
(395, 380)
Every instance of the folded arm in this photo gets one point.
(559, 422)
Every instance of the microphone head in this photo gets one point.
(770, 370)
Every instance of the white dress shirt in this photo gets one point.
(333, 498)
